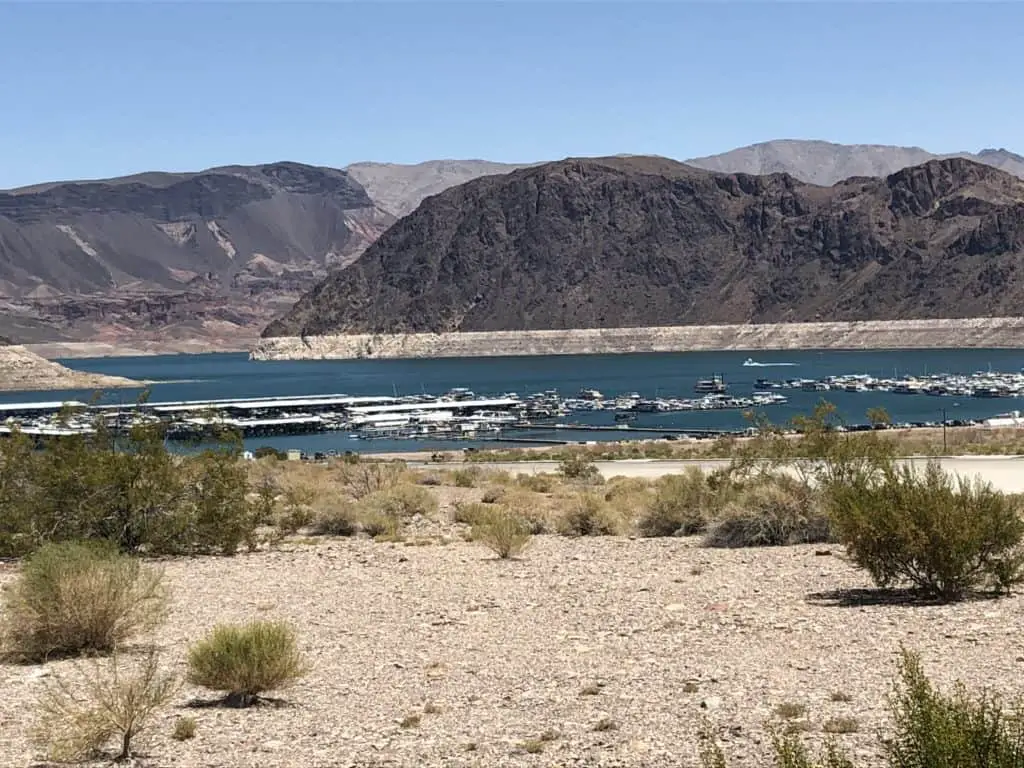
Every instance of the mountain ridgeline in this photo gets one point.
(641, 241)
(174, 252)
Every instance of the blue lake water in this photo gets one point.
(216, 376)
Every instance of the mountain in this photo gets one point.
(641, 241)
(214, 253)
(399, 189)
(825, 163)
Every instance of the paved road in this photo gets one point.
(1006, 473)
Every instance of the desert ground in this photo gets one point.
(1005, 473)
(582, 651)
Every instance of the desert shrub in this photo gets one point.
(493, 495)
(587, 514)
(946, 538)
(335, 519)
(108, 705)
(469, 512)
(466, 477)
(502, 531)
(403, 500)
(936, 729)
(681, 506)
(245, 661)
(129, 490)
(430, 479)
(380, 526)
(775, 511)
(540, 482)
(579, 467)
(534, 509)
(80, 597)
(364, 478)
(184, 729)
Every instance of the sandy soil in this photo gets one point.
(505, 649)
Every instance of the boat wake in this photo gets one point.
(751, 363)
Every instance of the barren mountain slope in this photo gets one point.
(627, 242)
(215, 253)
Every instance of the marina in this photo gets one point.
(461, 414)
(339, 406)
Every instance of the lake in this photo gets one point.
(217, 376)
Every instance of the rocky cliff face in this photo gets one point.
(195, 253)
(632, 242)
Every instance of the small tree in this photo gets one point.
(76, 723)
(946, 539)
(246, 661)
(80, 597)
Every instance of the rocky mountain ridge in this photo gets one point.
(159, 257)
(644, 241)
(215, 253)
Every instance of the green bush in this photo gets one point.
(771, 512)
(946, 538)
(681, 506)
(929, 730)
(129, 490)
(503, 532)
(246, 661)
(934, 729)
(73, 598)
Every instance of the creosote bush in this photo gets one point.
(946, 537)
(74, 598)
(502, 531)
(126, 489)
(111, 705)
(929, 729)
(246, 661)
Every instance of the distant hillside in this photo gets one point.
(628, 242)
(211, 253)
(825, 163)
(399, 189)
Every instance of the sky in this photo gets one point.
(93, 90)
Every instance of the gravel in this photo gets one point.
(649, 638)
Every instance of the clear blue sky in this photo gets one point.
(94, 90)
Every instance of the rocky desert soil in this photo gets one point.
(593, 652)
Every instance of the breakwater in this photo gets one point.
(991, 333)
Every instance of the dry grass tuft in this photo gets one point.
(184, 729)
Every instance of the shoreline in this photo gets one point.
(995, 333)
(73, 350)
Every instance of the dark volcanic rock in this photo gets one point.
(626, 242)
